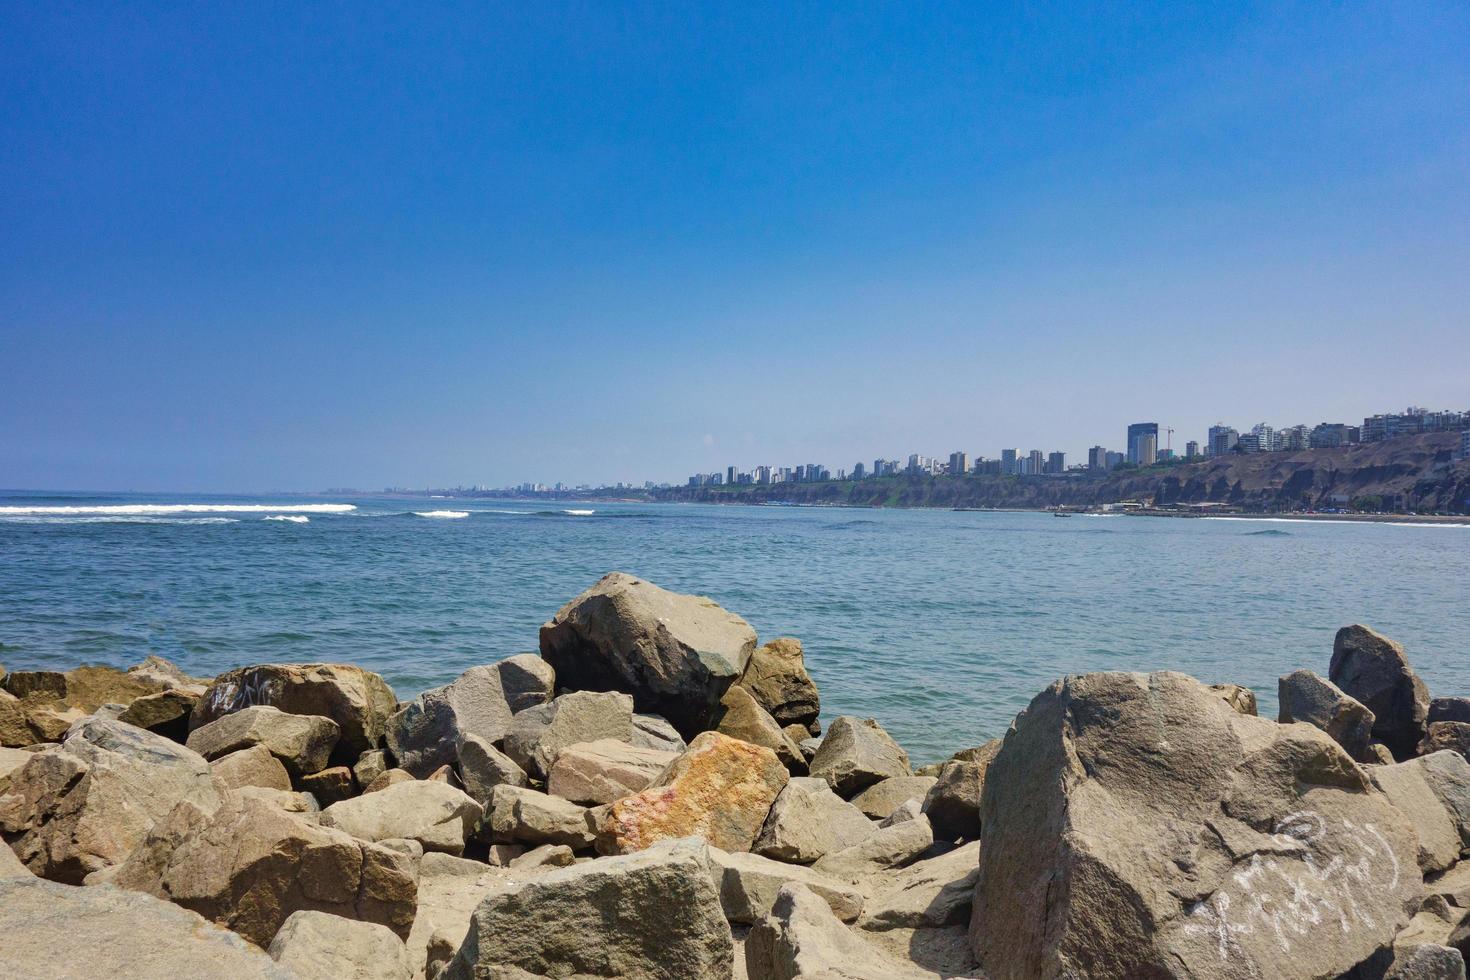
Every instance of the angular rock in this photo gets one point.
(953, 804)
(808, 820)
(321, 946)
(332, 785)
(901, 839)
(653, 732)
(482, 767)
(879, 800)
(776, 677)
(54, 931)
(86, 804)
(1449, 709)
(1304, 696)
(538, 735)
(250, 865)
(906, 812)
(545, 856)
(1378, 755)
(166, 712)
(49, 685)
(1451, 735)
(435, 814)
(802, 940)
(517, 814)
(675, 654)
(286, 801)
(391, 777)
(668, 924)
(369, 766)
(480, 702)
(1134, 824)
(10, 761)
(748, 884)
(604, 771)
(934, 893)
(856, 753)
(746, 720)
(803, 741)
(1373, 669)
(253, 766)
(1427, 962)
(720, 789)
(15, 726)
(1242, 699)
(154, 669)
(449, 890)
(303, 743)
(358, 700)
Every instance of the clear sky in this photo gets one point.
(273, 246)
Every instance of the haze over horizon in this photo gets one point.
(270, 248)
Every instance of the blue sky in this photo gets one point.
(256, 246)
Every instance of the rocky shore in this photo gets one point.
(653, 795)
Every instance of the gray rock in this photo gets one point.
(933, 893)
(332, 785)
(391, 777)
(675, 654)
(605, 770)
(904, 836)
(449, 890)
(369, 766)
(1442, 735)
(166, 712)
(358, 700)
(321, 946)
(1449, 709)
(748, 884)
(856, 753)
(882, 798)
(59, 932)
(303, 743)
(538, 735)
(435, 814)
(776, 677)
(1409, 786)
(249, 865)
(253, 766)
(1373, 669)
(483, 767)
(1306, 697)
(1242, 699)
(742, 718)
(545, 856)
(1127, 825)
(1427, 962)
(802, 940)
(480, 702)
(517, 814)
(1378, 755)
(953, 805)
(653, 732)
(653, 914)
(86, 804)
(808, 820)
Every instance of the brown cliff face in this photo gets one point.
(1417, 473)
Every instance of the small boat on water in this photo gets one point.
(1060, 513)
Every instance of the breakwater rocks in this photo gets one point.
(653, 796)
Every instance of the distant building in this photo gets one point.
(1009, 462)
(1056, 463)
(959, 464)
(1137, 433)
(1294, 439)
(1221, 440)
(1114, 460)
(1191, 450)
(1097, 458)
(730, 474)
(1465, 444)
(1146, 447)
(1329, 435)
(1265, 437)
(859, 472)
(1376, 428)
(1249, 442)
(1035, 463)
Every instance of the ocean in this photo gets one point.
(941, 625)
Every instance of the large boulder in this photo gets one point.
(934, 893)
(741, 717)
(1135, 825)
(721, 789)
(480, 702)
(519, 815)
(1303, 696)
(538, 735)
(900, 839)
(856, 753)
(1374, 670)
(450, 888)
(59, 932)
(808, 820)
(879, 800)
(303, 743)
(250, 864)
(802, 939)
(776, 677)
(1433, 791)
(653, 732)
(953, 803)
(358, 700)
(482, 767)
(604, 771)
(435, 814)
(87, 803)
(653, 915)
(321, 946)
(254, 766)
(1442, 735)
(166, 712)
(748, 884)
(1452, 708)
(675, 654)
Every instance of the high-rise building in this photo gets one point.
(1114, 460)
(1035, 462)
(1191, 450)
(1221, 440)
(1097, 458)
(858, 471)
(1265, 437)
(1056, 463)
(959, 464)
(730, 474)
(1137, 432)
(1009, 464)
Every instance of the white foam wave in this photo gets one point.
(580, 513)
(154, 510)
(448, 514)
(293, 518)
(1330, 520)
(119, 519)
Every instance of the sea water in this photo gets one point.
(941, 625)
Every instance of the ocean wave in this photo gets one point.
(154, 510)
(117, 519)
(579, 513)
(1330, 520)
(448, 514)
(1269, 532)
(293, 518)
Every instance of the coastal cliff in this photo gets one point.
(1409, 474)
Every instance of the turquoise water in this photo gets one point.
(941, 625)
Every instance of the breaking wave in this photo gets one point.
(156, 510)
(448, 514)
(293, 518)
